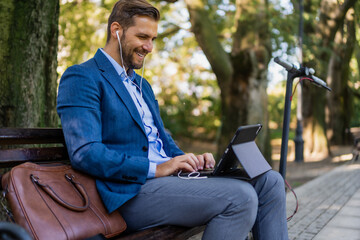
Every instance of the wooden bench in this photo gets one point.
(47, 145)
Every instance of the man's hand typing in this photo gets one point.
(186, 163)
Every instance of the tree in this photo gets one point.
(242, 71)
(28, 43)
(321, 28)
(339, 108)
(354, 81)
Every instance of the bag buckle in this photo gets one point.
(69, 178)
(35, 179)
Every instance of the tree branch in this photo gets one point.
(207, 39)
(169, 31)
(330, 21)
(251, 37)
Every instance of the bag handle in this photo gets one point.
(50, 191)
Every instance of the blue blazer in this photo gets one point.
(104, 134)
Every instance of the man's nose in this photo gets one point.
(148, 46)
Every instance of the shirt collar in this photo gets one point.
(118, 67)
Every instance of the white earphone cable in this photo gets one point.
(191, 176)
(121, 56)
(122, 62)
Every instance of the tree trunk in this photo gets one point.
(315, 142)
(29, 38)
(331, 18)
(241, 75)
(339, 111)
(251, 54)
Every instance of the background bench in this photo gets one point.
(47, 145)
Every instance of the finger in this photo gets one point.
(209, 160)
(201, 161)
(192, 161)
(187, 167)
(195, 160)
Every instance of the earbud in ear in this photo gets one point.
(120, 48)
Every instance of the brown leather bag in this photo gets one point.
(57, 202)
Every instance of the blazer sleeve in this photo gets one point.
(79, 107)
(174, 149)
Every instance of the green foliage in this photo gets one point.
(192, 114)
(82, 30)
(277, 133)
(284, 22)
(276, 102)
(221, 13)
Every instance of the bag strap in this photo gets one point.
(50, 191)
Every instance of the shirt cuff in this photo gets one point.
(152, 170)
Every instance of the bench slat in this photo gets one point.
(13, 157)
(10, 136)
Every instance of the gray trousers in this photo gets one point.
(229, 207)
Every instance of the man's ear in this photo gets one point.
(116, 27)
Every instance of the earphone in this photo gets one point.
(121, 56)
(191, 176)
(122, 61)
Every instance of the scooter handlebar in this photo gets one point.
(291, 67)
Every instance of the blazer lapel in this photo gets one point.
(110, 74)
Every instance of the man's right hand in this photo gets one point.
(187, 163)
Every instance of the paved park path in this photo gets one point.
(329, 207)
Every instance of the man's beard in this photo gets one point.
(128, 55)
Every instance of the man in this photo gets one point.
(114, 132)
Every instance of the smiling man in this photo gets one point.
(114, 132)
(135, 39)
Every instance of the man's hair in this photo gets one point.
(125, 10)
